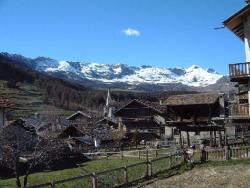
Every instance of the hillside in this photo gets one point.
(28, 100)
(39, 92)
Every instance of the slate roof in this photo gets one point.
(192, 99)
(78, 113)
(153, 106)
(105, 121)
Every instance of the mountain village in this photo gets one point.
(182, 128)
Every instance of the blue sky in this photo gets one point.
(163, 33)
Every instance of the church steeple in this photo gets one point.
(108, 110)
(108, 100)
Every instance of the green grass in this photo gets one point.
(104, 180)
(84, 168)
(114, 178)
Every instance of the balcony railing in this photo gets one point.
(239, 70)
(240, 110)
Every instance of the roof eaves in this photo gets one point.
(242, 11)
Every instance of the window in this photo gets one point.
(197, 133)
(175, 131)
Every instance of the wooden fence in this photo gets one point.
(226, 153)
(119, 176)
(125, 175)
(139, 154)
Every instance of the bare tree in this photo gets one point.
(15, 142)
(22, 151)
(45, 153)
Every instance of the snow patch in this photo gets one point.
(194, 75)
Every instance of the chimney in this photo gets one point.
(160, 102)
(36, 115)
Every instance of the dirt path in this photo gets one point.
(235, 176)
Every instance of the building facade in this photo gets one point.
(239, 24)
(141, 120)
(195, 118)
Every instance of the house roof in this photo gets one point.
(142, 124)
(236, 22)
(78, 113)
(43, 123)
(70, 131)
(106, 121)
(6, 103)
(152, 106)
(192, 99)
(21, 124)
(144, 135)
(84, 140)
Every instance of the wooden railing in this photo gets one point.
(120, 176)
(240, 110)
(239, 70)
(226, 153)
(139, 154)
(125, 175)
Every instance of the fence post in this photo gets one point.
(156, 153)
(125, 175)
(52, 184)
(203, 155)
(94, 180)
(150, 169)
(139, 154)
(147, 164)
(121, 154)
(227, 153)
(107, 156)
(247, 151)
(170, 161)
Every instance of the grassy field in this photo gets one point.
(230, 174)
(233, 173)
(104, 180)
(82, 169)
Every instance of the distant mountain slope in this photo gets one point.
(29, 100)
(34, 91)
(121, 76)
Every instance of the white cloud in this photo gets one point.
(131, 32)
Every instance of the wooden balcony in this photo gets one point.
(239, 72)
(240, 110)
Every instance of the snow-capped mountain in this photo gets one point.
(81, 72)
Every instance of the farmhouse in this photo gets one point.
(76, 138)
(239, 73)
(141, 120)
(20, 126)
(47, 125)
(200, 116)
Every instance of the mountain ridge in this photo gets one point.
(95, 75)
